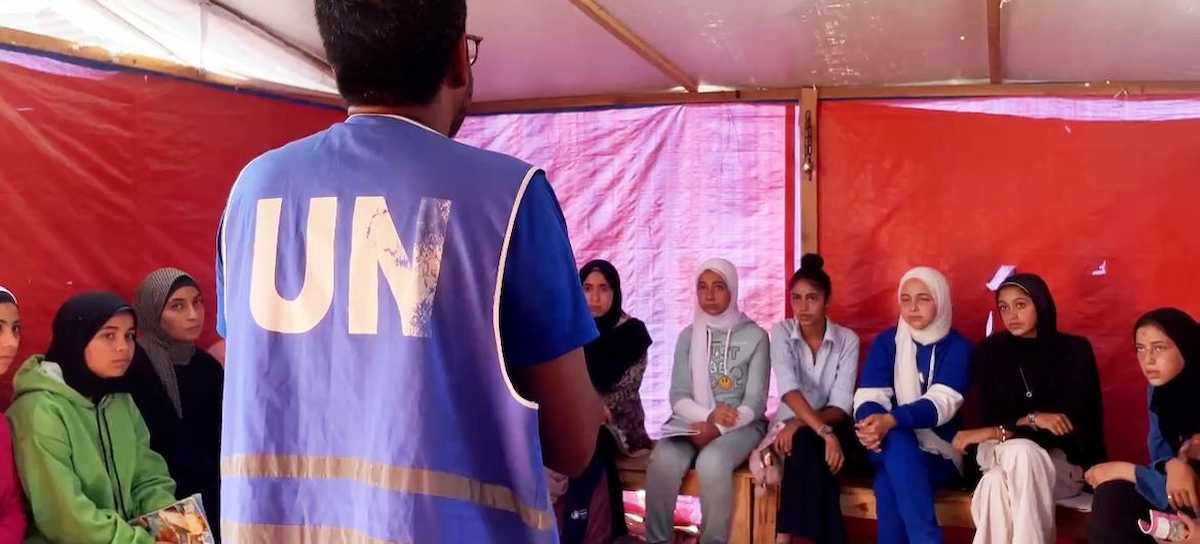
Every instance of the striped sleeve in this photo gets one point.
(875, 389)
(944, 398)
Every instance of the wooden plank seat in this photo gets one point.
(754, 514)
(953, 509)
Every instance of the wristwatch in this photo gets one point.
(825, 430)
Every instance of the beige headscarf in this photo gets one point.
(164, 352)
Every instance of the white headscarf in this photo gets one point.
(906, 377)
(704, 324)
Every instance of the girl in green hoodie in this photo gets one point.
(82, 449)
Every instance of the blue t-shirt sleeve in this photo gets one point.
(220, 277)
(543, 312)
(1151, 480)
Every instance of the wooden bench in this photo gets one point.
(753, 519)
(953, 509)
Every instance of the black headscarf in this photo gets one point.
(609, 320)
(1175, 401)
(620, 345)
(75, 324)
(1043, 302)
(7, 297)
(1055, 372)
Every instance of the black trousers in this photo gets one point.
(810, 496)
(1115, 513)
(578, 498)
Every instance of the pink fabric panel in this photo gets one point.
(657, 191)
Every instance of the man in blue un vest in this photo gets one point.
(402, 312)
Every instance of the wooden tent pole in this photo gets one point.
(809, 169)
(995, 59)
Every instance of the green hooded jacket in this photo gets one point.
(86, 470)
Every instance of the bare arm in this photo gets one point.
(832, 415)
(803, 410)
(569, 412)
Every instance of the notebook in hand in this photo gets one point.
(675, 428)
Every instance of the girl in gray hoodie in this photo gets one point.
(718, 396)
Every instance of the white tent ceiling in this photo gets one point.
(547, 48)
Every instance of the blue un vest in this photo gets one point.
(365, 394)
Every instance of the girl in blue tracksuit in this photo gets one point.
(1167, 342)
(906, 408)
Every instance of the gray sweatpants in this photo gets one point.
(670, 462)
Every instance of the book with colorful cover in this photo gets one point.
(1164, 527)
(183, 522)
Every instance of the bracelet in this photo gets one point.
(1032, 418)
(1003, 433)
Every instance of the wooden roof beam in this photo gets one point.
(1109, 89)
(614, 26)
(36, 43)
(317, 61)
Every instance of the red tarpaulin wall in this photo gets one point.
(108, 174)
(1103, 210)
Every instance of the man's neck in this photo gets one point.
(424, 115)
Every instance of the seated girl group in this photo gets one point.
(105, 428)
(1024, 407)
(109, 425)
